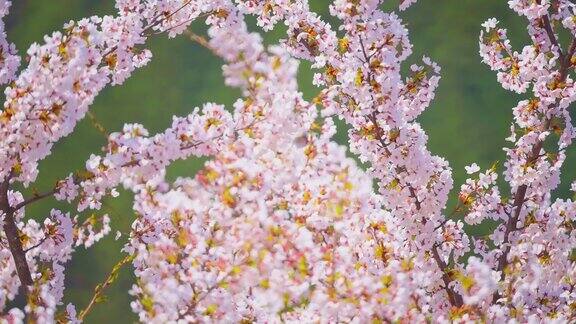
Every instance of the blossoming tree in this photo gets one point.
(280, 225)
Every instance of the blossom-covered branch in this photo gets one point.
(279, 224)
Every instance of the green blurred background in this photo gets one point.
(466, 123)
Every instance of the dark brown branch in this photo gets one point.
(13, 237)
(35, 198)
(520, 196)
(454, 297)
(552, 36)
(37, 244)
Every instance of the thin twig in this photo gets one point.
(36, 245)
(200, 41)
(35, 198)
(99, 289)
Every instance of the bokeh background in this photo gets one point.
(466, 123)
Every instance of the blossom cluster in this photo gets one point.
(281, 224)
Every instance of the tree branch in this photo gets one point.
(552, 36)
(520, 196)
(13, 237)
(454, 297)
(35, 198)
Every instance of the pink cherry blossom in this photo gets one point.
(280, 224)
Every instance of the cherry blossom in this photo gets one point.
(281, 224)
